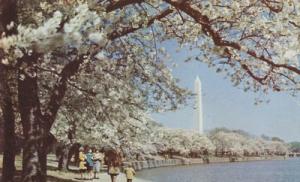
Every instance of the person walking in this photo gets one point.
(98, 160)
(130, 173)
(114, 162)
(89, 163)
(82, 163)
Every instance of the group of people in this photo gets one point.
(92, 161)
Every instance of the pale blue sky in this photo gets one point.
(230, 107)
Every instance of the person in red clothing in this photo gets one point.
(114, 162)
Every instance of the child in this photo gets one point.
(130, 172)
(89, 163)
(82, 163)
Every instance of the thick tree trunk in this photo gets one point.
(8, 9)
(35, 149)
(42, 152)
(9, 127)
(36, 126)
(33, 164)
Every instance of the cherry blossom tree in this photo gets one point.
(235, 142)
(110, 50)
(69, 52)
(180, 142)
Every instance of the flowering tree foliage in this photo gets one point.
(131, 135)
(239, 144)
(244, 39)
(254, 42)
(228, 142)
(135, 137)
(180, 141)
(107, 52)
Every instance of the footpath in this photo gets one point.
(75, 176)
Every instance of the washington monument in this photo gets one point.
(199, 115)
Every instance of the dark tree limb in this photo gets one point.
(218, 40)
(72, 68)
(128, 30)
(118, 4)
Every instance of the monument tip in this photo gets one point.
(198, 79)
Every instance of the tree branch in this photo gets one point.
(72, 68)
(271, 7)
(120, 4)
(89, 92)
(127, 30)
(251, 74)
(218, 40)
(59, 90)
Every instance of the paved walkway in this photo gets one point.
(103, 177)
(71, 176)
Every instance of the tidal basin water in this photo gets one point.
(259, 171)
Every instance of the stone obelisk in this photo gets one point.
(199, 115)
